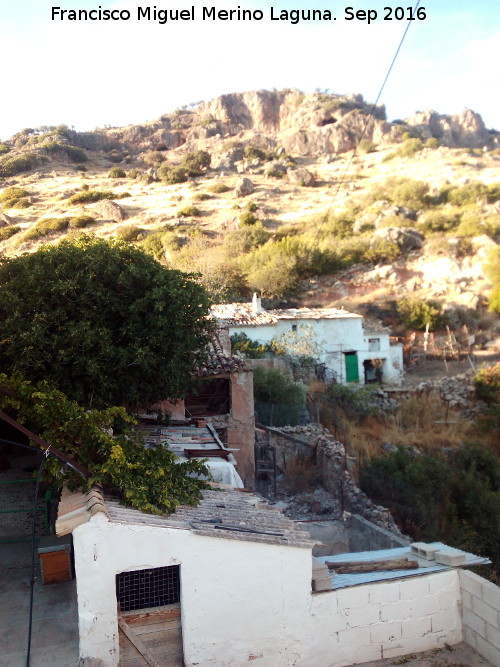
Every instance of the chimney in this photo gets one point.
(256, 304)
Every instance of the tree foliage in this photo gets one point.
(150, 479)
(278, 399)
(101, 321)
(456, 500)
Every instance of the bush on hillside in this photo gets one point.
(89, 196)
(7, 232)
(172, 175)
(10, 166)
(116, 172)
(416, 313)
(129, 233)
(278, 400)
(196, 162)
(219, 188)
(10, 196)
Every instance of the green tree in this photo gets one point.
(101, 321)
(150, 479)
(278, 400)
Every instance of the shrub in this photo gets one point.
(367, 146)
(382, 252)
(248, 237)
(116, 172)
(278, 400)
(10, 196)
(432, 143)
(196, 163)
(134, 173)
(114, 156)
(154, 158)
(7, 232)
(463, 195)
(493, 193)
(24, 202)
(10, 166)
(129, 233)
(340, 225)
(247, 218)
(253, 153)
(219, 188)
(80, 167)
(413, 194)
(417, 313)
(252, 349)
(356, 402)
(158, 244)
(88, 196)
(487, 383)
(201, 196)
(172, 175)
(4, 148)
(189, 211)
(76, 154)
(46, 227)
(81, 221)
(440, 220)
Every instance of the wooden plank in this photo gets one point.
(150, 659)
(352, 567)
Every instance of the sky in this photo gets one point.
(89, 74)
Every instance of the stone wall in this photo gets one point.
(481, 615)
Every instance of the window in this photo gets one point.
(294, 327)
(211, 397)
(373, 344)
(142, 589)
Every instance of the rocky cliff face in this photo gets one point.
(313, 125)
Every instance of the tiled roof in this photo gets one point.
(239, 314)
(226, 514)
(313, 314)
(243, 314)
(76, 508)
(216, 362)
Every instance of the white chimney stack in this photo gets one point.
(256, 304)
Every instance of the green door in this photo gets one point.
(351, 367)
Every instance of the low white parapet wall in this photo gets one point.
(386, 619)
(481, 615)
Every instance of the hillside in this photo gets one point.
(415, 212)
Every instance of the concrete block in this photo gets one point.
(448, 602)
(385, 632)
(474, 622)
(423, 550)
(356, 596)
(466, 600)
(451, 557)
(493, 635)
(484, 611)
(365, 654)
(491, 594)
(444, 620)
(396, 611)
(428, 605)
(415, 587)
(394, 650)
(488, 651)
(337, 623)
(416, 627)
(363, 616)
(319, 586)
(429, 642)
(469, 637)
(355, 637)
(471, 582)
(444, 581)
(383, 593)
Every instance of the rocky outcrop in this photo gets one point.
(302, 177)
(465, 129)
(406, 238)
(110, 210)
(244, 187)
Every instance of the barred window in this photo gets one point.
(141, 589)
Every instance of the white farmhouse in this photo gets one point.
(351, 349)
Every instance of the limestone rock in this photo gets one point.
(406, 238)
(302, 176)
(5, 220)
(110, 210)
(244, 187)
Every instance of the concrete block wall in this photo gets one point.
(481, 615)
(385, 619)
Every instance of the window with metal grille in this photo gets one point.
(141, 589)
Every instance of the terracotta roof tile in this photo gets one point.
(215, 361)
(243, 314)
(226, 514)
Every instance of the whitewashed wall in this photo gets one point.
(335, 337)
(245, 601)
(481, 615)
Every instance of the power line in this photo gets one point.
(363, 132)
